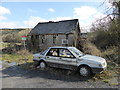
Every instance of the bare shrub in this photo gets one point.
(25, 55)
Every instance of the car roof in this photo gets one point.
(60, 47)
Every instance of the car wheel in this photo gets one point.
(42, 65)
(84, 71)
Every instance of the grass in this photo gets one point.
(4, 45)
(106, 81)
(10, 57)
(19, 57)
(107, 74)
(114, 84)
(90, 48)
(15, 58)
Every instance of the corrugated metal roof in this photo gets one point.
(66, 26)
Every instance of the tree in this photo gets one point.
(106, 33)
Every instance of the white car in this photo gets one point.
(70, 58)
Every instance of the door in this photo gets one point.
(52, 58)
(67, 59)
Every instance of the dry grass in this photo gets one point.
(25, 56)
(90, 48)
(107, 74)
(20, 57)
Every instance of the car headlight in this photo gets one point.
(102, 64)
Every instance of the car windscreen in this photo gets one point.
(76, 51)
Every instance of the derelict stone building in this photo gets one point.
(61, 33)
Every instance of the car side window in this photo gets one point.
(52, 52)
(65, 53)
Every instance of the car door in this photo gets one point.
(67, 59)
(52, 57)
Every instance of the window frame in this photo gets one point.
(43, 39)
(58, 50)
(63, 56)
(51, 55)
(54, 39)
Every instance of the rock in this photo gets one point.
(13, 63)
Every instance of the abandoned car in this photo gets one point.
(70, 58)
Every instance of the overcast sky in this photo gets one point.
(27, 14)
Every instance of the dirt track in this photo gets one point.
(16, 77)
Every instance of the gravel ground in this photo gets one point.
(17, 77)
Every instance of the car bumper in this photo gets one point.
(98, 70)
(34, 59)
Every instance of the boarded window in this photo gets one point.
(66, 36)
(37, 36)
(54, 38)
(64, 41)
(43, 39)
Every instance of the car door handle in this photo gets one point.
(60, 57)
(47, 57)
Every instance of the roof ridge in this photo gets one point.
(58, 21)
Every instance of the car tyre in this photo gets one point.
(85, 71)
(42, 65)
